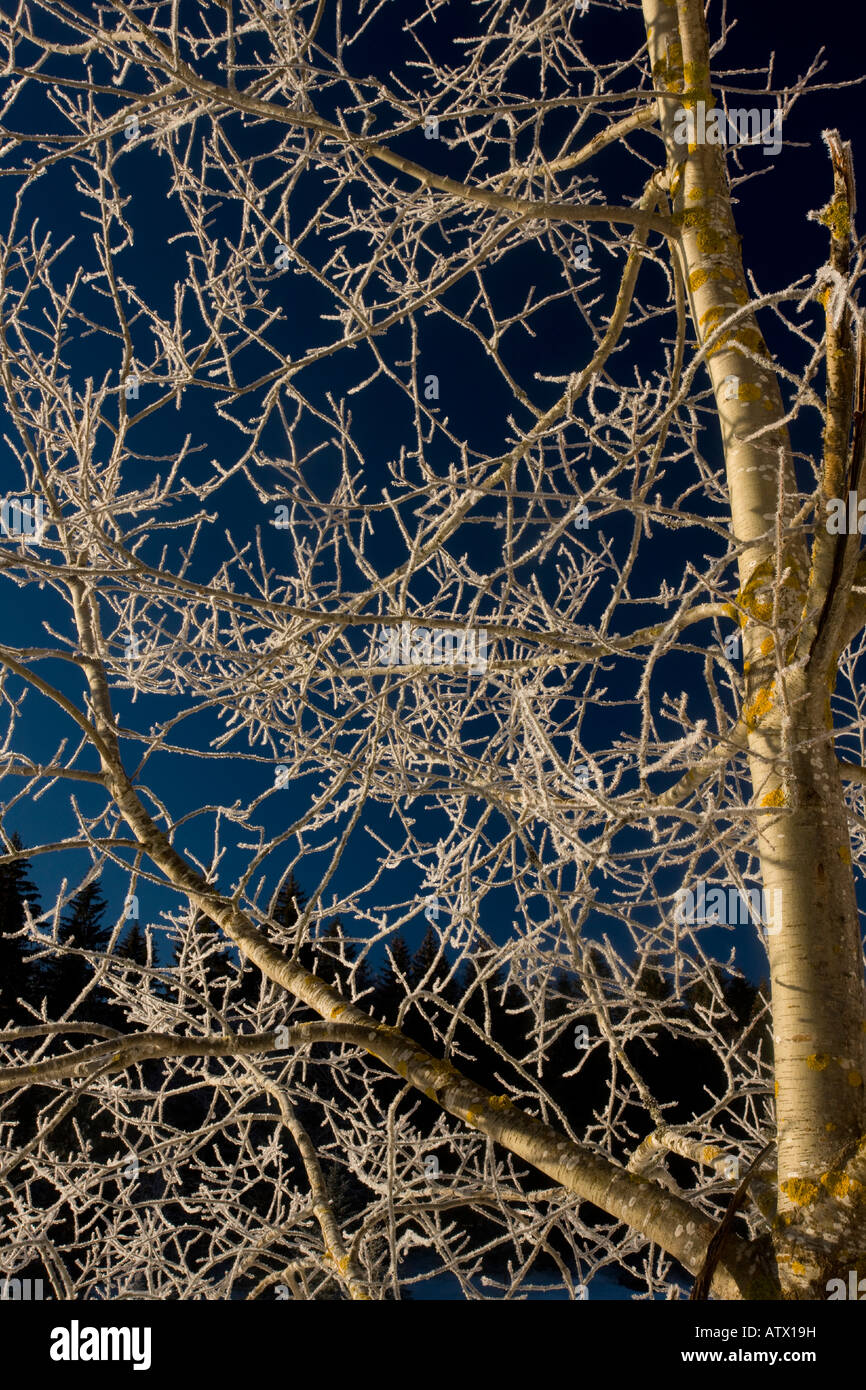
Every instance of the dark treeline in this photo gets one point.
(497, 1023)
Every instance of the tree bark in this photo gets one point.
(815, 951)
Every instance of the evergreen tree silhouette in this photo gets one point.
(81, 926)
(19, 978)
(216, 974)
(390, 989)
(424, 960)
(61, 980)
(331, 957)
(290, 902)
(651, 983)
(133, 946)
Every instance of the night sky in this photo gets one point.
(780, 244)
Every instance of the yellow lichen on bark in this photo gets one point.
(837, 216)
(801, 1191)
(818, 1061)
(840, 1185)
(703, 274)
(759, 707)
(776, 798)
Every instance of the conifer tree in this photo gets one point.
(391, 986)
(290, 903)
(215, 973)
(81, 928)
(18, 976)
(133, 946)
(425, 958)
(334, 958)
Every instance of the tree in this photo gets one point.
(289, 903)
(394, 981)
(17, 972)
(70, 978)
(567, 672)
(427, 962)
(133, 946)
(336, 960)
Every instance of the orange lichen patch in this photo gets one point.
(717, 313)
(837, 216)
(669, 69)
(696, 77)
(709, 1152)
(499, 1102)
(839, 1185)
(760, 706)
(753, 391)
(755, 599)
(713, 316)
(750, 391)
(767, 646)
(800, 1191)
(776, 798)
(818, 1061)
(703, 274)
(741, 334)
(830, 1126)
(337, 1010)
(704, 223)
(711, 242)
(844, 854)
(797, 1268)
(854, 1078)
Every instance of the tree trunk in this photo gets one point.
(815, 951)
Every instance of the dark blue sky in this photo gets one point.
(779, 244)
